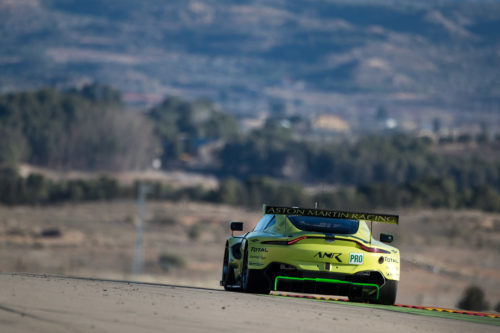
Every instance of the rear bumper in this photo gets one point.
(362, 285)
(353, 290)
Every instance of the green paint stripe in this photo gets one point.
(332, 281)
(420, 312)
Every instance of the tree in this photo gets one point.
(99, 93)
(381, 115)
(232, 192)
(437, 125)
(118, 140)
(84, 129)
(182, 126)
(13, 146)
(473, 299)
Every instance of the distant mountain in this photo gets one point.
(417, 59)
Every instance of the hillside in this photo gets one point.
(418, 60)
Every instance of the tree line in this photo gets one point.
(251, 192)
(79, 129)
(391, 170)
(374, 159)
(89, 129)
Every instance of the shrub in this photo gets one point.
(497, 307)
(162, 219)
(197, 230)
(169, 261)
(473, 299)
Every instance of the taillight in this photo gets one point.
(364, 247)
(372, 249)
(283, 242)
(293, 241)
(296, 240)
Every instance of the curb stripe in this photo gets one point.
(427, 308)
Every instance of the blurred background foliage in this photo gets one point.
(88, 129)
(83, 129)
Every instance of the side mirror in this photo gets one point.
(386, 238)
(236, 226)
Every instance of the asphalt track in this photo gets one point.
(42, 303)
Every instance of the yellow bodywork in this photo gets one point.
(342, 254)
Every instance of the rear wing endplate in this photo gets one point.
(368, 217)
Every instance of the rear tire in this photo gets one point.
(388, 292)
(227, 272)
(252, 280)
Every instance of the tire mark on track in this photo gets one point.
(24, 314)
(35, 317)
(91, 279)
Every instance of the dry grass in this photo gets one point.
(443, 251)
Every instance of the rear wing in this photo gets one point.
(368, 217)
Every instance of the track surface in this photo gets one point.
(37, 303)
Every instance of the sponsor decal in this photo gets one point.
(329, 255)
(258, 249)
(391, 260)
(371, 217)
(355, 258)
(257, 257)
(252, 263)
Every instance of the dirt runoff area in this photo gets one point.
(442, 251)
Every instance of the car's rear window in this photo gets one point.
(325, 225)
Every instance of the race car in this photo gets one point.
(313, 251)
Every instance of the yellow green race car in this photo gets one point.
(313, 251)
